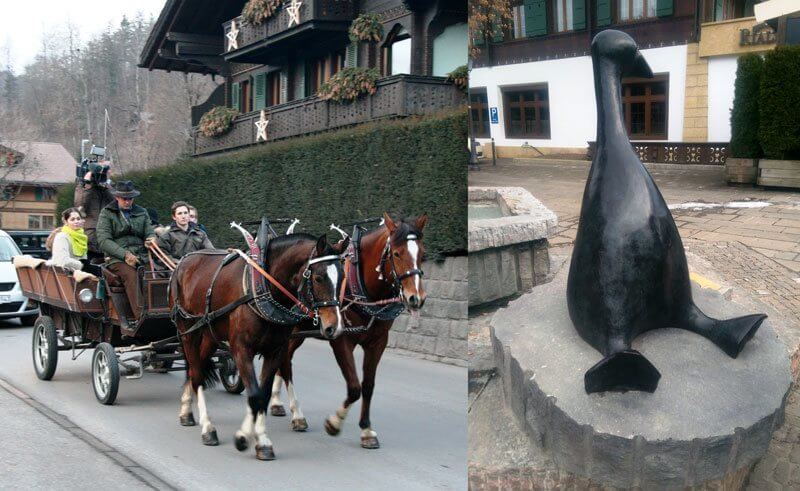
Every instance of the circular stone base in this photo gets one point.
(711, 417)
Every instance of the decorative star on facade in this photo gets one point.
(261, 126)
(294, 12)
(233, 37)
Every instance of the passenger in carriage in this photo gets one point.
(123, 228)
(70, 243)
(193, 218)
(182, 236)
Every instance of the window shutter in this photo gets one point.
(603, 12)
(284, 82)
(535, 18)
(351, 56)
(236, 92)
(259, 91)
(301, 89)
(663, 8)
(579, 14)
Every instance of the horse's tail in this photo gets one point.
(210, 374)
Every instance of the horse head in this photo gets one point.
(321, 286)
(403, 257)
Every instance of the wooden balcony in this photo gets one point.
(318, 21)
(397, 96)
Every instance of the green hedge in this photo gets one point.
(779, 104)
(405, 167)
(744, 116)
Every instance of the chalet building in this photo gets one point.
(532, 88)
(279, 65)
(30, 173)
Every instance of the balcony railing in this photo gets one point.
(397, 96)
(314, 15)
(661, 152)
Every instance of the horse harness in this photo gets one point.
(258, 297)
(384, 310)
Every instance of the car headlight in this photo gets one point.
(86, 295)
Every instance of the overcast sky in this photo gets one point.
(22, 22)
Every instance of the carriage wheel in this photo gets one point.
(105, 373)
(230, 376)
(45, 347)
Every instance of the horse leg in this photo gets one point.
(343, 351)
(299, 422)
(185, 415)
(264, 449)
(275, 404)
(208, 371)
(372, 356)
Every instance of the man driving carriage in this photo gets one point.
(123, 228)
(182, 236)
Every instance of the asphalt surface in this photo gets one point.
(418, 410)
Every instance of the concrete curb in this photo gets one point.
(117, 457)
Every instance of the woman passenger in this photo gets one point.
(70, 243)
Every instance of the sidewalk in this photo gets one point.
(42, 449)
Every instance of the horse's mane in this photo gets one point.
(404, 228)
(280, 244)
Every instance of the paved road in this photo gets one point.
(419, 412)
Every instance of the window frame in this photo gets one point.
(536, 106)
(478, 91)
(647, 99)
(630, 19)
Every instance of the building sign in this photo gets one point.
(758, 34)
(493, 115)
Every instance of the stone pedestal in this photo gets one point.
(708, 422)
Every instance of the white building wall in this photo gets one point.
(721, 79)
(570, 83)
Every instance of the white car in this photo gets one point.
(12, 302)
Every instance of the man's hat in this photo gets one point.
(125, 189)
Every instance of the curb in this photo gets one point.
(117, 457)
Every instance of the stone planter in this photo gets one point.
(741, 171)
(508, 232)
(779, 173)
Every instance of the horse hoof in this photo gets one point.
(332, 430)
(370, 442)
(187, 420)
(299, 424)
(278, 410)
(265, 452)
(210, 438)
(240, 441)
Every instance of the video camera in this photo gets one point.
(92, 164)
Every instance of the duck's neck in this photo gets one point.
(608, 92)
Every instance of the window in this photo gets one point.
(527, 112)
(478, 113)
(43, 194)
(40, 222)
(718, 10)
(645, 103)
(563, 18)
(246, 97)
(397, 53)
(628, 10)
(518, 30)
(273, 88)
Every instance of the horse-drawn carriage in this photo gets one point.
(81, 311)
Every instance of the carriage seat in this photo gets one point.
(26, 261)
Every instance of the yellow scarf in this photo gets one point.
(78, 240)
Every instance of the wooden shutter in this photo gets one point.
(259, 91)
(603, 12)
(578, 14)
(663, 8)
(351, 55)
(535, 17)
(301, 89)
(236, 92)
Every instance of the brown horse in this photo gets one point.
(212, 296)
(389, 260)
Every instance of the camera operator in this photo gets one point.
(92, 194)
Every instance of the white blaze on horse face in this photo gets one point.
(413, 249)
(333, 275)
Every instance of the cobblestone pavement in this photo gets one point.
(743, 237)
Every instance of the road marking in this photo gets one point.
(704, 282)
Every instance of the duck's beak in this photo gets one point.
(639, 67)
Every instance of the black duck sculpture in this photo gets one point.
(628, 273)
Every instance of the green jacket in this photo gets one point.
(117, 235)
(178, 243)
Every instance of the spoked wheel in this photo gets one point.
(230, 376)
(45, 347)
(105, 374)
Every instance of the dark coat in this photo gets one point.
(92, 201)
(177, 243)
(117, 235)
